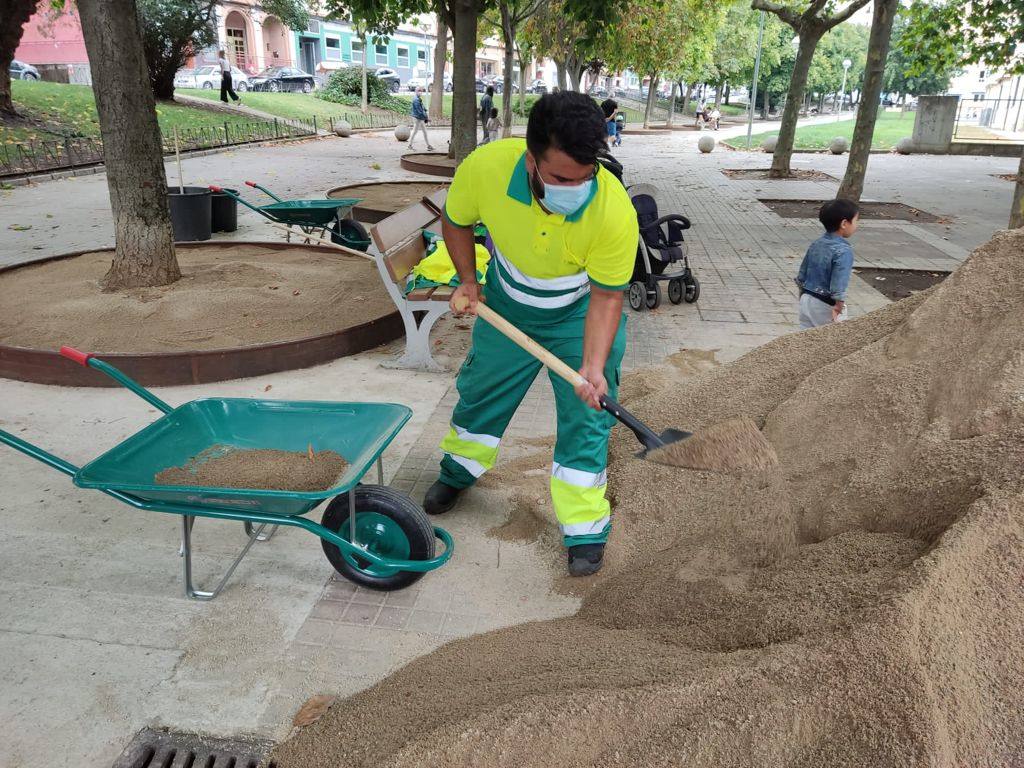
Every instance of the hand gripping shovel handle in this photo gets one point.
(647, 437)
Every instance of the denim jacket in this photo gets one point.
(418, 112)
(827, 267)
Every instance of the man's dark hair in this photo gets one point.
(834, 212)
(608, 106)
(490, 90)
(569, 121)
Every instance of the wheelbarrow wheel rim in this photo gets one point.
(382, 536)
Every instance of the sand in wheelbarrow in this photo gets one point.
(858, 604)
(261, 469)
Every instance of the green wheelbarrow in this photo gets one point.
(312, 217)
(371, 534)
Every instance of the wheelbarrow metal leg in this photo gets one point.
(263, 537)
(187, 522)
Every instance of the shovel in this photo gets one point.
(648, 438)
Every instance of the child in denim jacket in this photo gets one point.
(824, 274)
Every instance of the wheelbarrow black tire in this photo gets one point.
(351, 234)
(406, 514)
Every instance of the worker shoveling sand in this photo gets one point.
(223, 467)
(858, 604)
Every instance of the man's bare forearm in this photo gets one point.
(603, 318)
(461, 248)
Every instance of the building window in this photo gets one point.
(382, 54)
(981, 76)
(421, 56)
(486, 68)
(332, 48)
(403, 55)
(357, 50)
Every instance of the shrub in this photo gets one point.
(346, 87)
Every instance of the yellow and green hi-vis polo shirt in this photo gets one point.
(543, 261)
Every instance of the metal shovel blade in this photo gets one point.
(669, 436)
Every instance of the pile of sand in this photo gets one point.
(858, 604)
(224, 467)
(229, 295)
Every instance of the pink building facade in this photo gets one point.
(49, 38)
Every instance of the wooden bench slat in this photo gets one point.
(401, 261)
(394, 229)
(421, 294)
(442, 293)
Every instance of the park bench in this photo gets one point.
(400, 247)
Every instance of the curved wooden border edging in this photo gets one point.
(424, 166)
(43, 366)
(367, 214)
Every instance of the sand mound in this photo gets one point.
(858, 604)
(224, 467)
(736, 444)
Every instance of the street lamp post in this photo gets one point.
(842, 91)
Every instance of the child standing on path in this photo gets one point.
(825, 271)
(493, 132)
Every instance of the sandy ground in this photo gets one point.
(228, 296)
(858, 604)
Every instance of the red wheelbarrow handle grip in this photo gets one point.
(82, 358)
(250, 183)
(216, 189)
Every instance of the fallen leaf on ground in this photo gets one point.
(312, 710)
(267, 388)
(20, 227)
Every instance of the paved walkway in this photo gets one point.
(97, 642)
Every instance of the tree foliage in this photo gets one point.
(345, 86)
(956, 32)
(907, 71)
(292, 13)
(173, 31)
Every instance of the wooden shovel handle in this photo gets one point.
(314, 238)
(528, 344)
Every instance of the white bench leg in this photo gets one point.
(417, 355)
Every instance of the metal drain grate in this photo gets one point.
(167, 749)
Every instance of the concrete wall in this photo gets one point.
(933, 125)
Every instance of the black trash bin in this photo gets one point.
(224, 207)
(190, 213)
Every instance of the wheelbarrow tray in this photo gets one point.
(359, 432)
(318, 212)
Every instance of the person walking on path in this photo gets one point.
(486, 105)
(227, 86)
(419, 116)
(564, 241)
(824, 274)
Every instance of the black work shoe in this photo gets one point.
(440, 498)
(585, 559)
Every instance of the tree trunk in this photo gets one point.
(464, 110)
(522, 80)
(560, 74)
(874, 70)
(651, 90)
(686, 98)
(16, 14)
(1017, 209)
(436, 111)
(727, 90)
(797, 83)
(718, 94)
(365, 102)
(508, 31)
(144, 252)
(575, 71)
(672, 105)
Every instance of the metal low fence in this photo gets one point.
(46, 156)
(990, 120)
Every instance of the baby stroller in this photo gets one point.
(661, 254)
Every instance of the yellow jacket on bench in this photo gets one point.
(437, 268)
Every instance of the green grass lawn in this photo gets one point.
(292, 106)
(70, 110)
(890, 127)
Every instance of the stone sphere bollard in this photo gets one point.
(706, 143)
(769, 144)
(343, 128)
(838, 145)
(402, 132)
(905, 145)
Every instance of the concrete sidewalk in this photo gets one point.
(97, 640)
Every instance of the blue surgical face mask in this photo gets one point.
(565, 200)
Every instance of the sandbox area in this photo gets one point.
(858, 603)
(232, 296)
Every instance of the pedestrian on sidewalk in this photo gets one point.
(564, 239)
(227, 86)
(493, 126)
(486, 105)
(824, 274)
(419, 116)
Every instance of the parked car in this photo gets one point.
(390, 77)
(19, 70)
(208, 77)
(598, 92)
(417, 82)
(498, 83)
(538, 86)
(282, 79)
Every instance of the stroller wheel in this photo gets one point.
(654, 296)
(637, 295)
(692, 291)
(675, 290)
